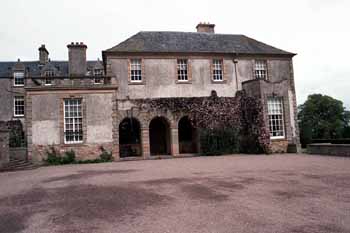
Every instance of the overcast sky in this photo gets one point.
(317, 30)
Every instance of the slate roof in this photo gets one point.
(194, 42)
(34, 67)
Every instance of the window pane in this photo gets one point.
(135, 70)
(73, 128)
(182, 70)
(18, 106)
(217, 70)
(260, 69)
(275, 114)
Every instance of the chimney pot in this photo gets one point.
(43, 54)
(205, 27)
(77, 59)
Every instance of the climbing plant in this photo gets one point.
(242, 114)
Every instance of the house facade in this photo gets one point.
(85, 105)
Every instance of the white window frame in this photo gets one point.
(98, 72)
(49, 73)
(218, 73)
(182, 70)
(276, 117)
(260, 69)
(73, 120)
(136, 70)
(18, 75)
(16, 105)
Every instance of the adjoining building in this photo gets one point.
(85, 105)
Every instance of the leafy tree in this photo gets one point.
(322, 117)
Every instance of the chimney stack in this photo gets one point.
(77, 59)
(43, 55)
(205, 27)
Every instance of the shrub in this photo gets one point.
(105, 156)
(69, 157)
(53, 156)
(219, 141)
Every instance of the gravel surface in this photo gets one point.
(277, 193)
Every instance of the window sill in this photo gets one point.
(218, 81)
(18, 116)
(279, 138)
(183, 82)
(136, 82)
(75, 144)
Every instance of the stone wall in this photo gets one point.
(4, 145)
(329, 149)
(45, 122)
(159, 77)
(7, 94)
(263, 89)
(82, 152)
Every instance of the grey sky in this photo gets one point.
(317, 30)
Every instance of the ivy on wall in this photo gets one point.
(242, 114)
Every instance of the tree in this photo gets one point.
(322, 117)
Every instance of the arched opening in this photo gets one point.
(159, 134)
(188, 142)
(130, 138)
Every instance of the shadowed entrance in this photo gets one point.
(129, 138)
(159, 133)
(187, 136)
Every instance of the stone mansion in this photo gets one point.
(83, 105)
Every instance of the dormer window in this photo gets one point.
(49, 73)
(18, 78)
(48, 81)
(98, 73)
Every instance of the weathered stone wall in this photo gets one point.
(82, 152)
(329, 149)
(264, 89)
(4, 145)
(279, 146)
(46, 122)
(7, 93)
(6, 110)
(160, 76)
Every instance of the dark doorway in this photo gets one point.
(187, 136)
(129, 138)
(159, 133)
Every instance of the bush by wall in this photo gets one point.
(54, 157)
(219, 141)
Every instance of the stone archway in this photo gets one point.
(188, 140)
(130, 138)
(159, 134)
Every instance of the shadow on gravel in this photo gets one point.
(87, 174)
(336, 180)
(320, 228)
(68, 206)
(12, 222)
(201, 192)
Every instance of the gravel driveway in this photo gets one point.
(275, 193)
